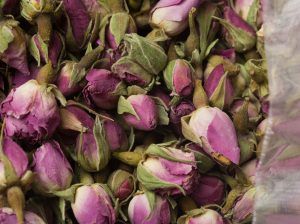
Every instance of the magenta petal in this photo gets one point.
(213, 80)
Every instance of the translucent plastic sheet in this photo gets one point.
(278, 176)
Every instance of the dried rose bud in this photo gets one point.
(93, 205)
(103, 89)
(149, 208)
(121, 183)
(218, 88)
(203, 124)
(249, 169)
(248, 144)
(253, 109)
(168, 170)
(239, 34)
(7, 216)
(163, 16)
(227, 53)
(178, 76)
(139, 111)
(52, 169)
(13, 46)
(244, 207)
(31, 111)
(208, 190)
(203, 216)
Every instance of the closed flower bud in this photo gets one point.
(168, 170)
(7, 216)
(203, 216)
(248, 144)
(31, 112)
(216, 131)
(52, 169)
(163, 16)
(239, 34)
(227, 53)
(208, 190)
(178, 77)
(139, 111)
(244, 207)
(218, 88)
(32, 8)
(115, 135)
(253, 109)
(121, 183)
(148, 208)
(13, 46)
(103, 89)
(93, 205)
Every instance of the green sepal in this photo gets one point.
(34, 51)
(247, 144)
(217, 99)
(135, 90)
(163, 118)
(253, 13)
(190, 214)
(57, 93)
(29, 11)
(151, 197)
(131, 138)
(168, 74)
(6, 37)
(157, 35)
(125, 107)
(68, 194)
(187, 131)
(118, 25)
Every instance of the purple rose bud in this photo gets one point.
(79, 19)
(115, 135)
(52, 169)
(17, 158)
(239, 34)
(64, 81)
(178, 77)
(209, 190)
(203, 216)
(93, 205)
(13, 47)
(244, 207)
(249, 169)
(139, 111)
(103, 89)
(7, 216)
(168, 170)
(121, 183)
(182, 109)
(217, 131)
(218, 88)
(31, 112)
(142, 209)
(163, 16)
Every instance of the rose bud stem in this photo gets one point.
(16, 201)
(187, 204)
(46, 74)
(85, 177)
(44, 27)
(129, 158)
(192, 41)
(199, 97)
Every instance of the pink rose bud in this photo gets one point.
(52, 169)
(249, 169)
(208, 190)
(239, 34)
(31, 112)
(13, 48)
(244, 207)
(217, 131)
(115, 135)
(163, 16)
(168, 170)
(103, 89)
(203, 216)
(93, 205)
(143, 208)
(178, 76)
(218, 88)
(121, 183)
(139, 111)
(7, 216)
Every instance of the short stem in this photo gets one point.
(16, 201)
(85, 177)
(129, 158)
(44, 27)
(46, 74)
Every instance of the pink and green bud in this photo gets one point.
(31, 111)
(203, 216)
(139, 111)
(93, 205)
(7, 216)
(168, 170)
(213, 128)
(218, 88)
(238, 33)
(253, 109)
(148, 208)
(121, 183)
(244, 207)
(103, 89)
(208, 190)
(52, 169)
(162, 15)
(13, 46)
(30, 9)
(178, 76)
(227, 53)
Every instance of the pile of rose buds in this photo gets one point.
(136, 111)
